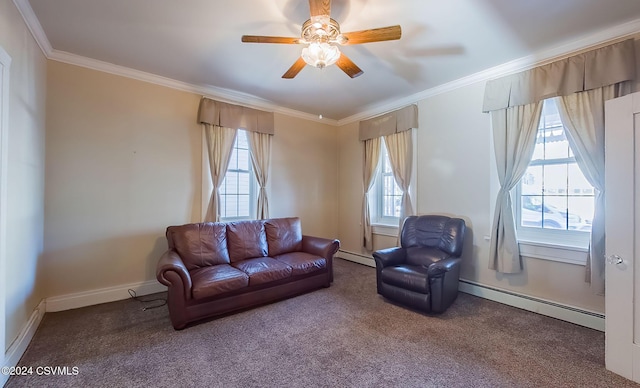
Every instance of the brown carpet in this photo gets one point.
(342, 336)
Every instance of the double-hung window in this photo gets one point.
(554, 201)
(388, 195)
(238, 190)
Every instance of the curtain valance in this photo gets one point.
(397, 121)
(235, 116)
(590, 70)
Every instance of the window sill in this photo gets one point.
(554, 252)
(385, 230)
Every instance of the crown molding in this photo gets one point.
(24, 7)
(221, 94)
(606, 36)
(225, 95)
(537, 59)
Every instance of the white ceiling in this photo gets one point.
(198, 42)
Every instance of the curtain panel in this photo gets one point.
(235, 116)
(583, 117)
(389, 123)
(395, 127)
(260, 149)
(586, 71)
(400, 150)
(220, 142)
(514, 138)
(371, 164)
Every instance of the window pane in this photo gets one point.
(237, 187)
(233, 162)
(243, 160)
(556, 144)
(231, 206)
(531, 211)
(388, 185)
(243, 183)
(554, 212)
(554, 194)
(555, 179)
(538, 151)
(241, 139)
(389, 194)
(231, 179)
(532, 181)
(243, 206)
(578, 184)
(386, 166)
(580, 213)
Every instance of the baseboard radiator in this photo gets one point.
(591, 319)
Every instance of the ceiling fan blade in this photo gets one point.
(348, 66)
(374, 35)
(295, 69)
(269, 39)
(320, 7)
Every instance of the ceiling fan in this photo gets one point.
(322, 35)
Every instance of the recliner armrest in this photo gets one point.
(439, 268)
(170, 261)
(390, 256)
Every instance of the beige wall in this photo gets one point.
(304, 174)
(455, 171)
(124, 161)
(25, 171)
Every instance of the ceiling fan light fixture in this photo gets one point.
(320, 55)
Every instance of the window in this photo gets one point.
(388, 195)
(555, 202)
(238, 190)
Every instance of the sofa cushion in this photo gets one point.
(216, 280)
(302, 263)
(199, 245)
(284, 235)
(410, 277)
(263, 270)
(246, 239)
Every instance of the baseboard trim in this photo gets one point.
(19, 345)
(541, 306)
(102, 295)
(356, 258)
(590, 319)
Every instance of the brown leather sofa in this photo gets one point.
(216, 268)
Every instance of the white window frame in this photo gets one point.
(380, 218)
(567, 246)
(389, 226)
(252, 187)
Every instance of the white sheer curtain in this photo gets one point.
(220, 142)
(400, 151)
(582, 115)
(260, 148)
(514, 135)
(371, 163)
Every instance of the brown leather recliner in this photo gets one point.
(423, 272)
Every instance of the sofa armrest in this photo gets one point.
(318, 246)
(389, 256)
(441, 267)
(168, 266)
(323, 247)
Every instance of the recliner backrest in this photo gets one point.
(444, 233)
